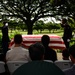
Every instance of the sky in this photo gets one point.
(49, 19)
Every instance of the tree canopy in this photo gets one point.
(29, 11)
(65, 7)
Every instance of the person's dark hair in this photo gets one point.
(64, 20)
(65, 54)
(4, 22)
(36, 51)
(72, 50)
(18, 39)
(45, 40)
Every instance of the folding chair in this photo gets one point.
(13, 65)
(63, 64)
(49, 61)
(2, 68)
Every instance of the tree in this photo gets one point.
(48, 26)
(64, 8)
(39, 25)
(29, 11)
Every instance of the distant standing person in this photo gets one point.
(5, 37)
(50, 54)
(67, 35)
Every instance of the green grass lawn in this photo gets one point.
(57, 32)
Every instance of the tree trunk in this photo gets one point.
(29, 28)
(30, 31)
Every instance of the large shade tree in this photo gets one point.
(29, 11)
(65, 8)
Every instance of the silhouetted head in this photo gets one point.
(65, 54)
(45, 40)
(18, 39)
(36, 51)
(72, 53)
(64, 21)
(4, 22)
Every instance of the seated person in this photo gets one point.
(50, 54)
(2, 57)
(36, 51)
(17, 53)
(71, 71)
(37, 66)
(65, 54)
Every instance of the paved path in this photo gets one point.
(59, 56)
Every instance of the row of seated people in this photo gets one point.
(19, 53)
(37, 51)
